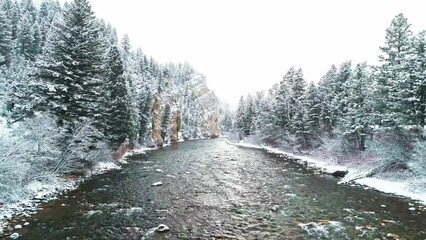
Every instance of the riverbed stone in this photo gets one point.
(14, 236)
(18, 226)
(157, 184)
(162, 228)
(339, 174)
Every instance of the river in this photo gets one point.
(214, 190)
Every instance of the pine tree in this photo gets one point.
(395, 79)
(14, 17)
(5, 39)
(296, 102)
(71, 65)
(132, 103)
(282, 111)
(248, 114)
(339, 91)
(359, 99)
(313, 110)
(419, 64)
(326, 94)
(116, 117)
(26, 37)
(48, 10)
(240, 115)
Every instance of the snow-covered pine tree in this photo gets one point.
(240, 115)
(357, 118)
(258, 108)
(70, 66)
(339, 104)
(48, 10)
(282, 103)
(22, 96)
(5, 39)
(296, 103)
(130, 75)
(248, 114)
(117, 115)
(326, 94)
(313, 111)
(26, 42)
(395, 82)
(144, 94)
(419, 73)
(12, 11)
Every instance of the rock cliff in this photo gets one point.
(183, 107)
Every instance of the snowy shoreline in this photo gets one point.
(41, 193)
(397, 188)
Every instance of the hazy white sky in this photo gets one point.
(247, 45)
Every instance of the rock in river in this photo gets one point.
(339, 174)
(14, 236)
(162, 228)
(157, 184)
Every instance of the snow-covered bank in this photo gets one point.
(400, 188)
(325, 167)
(42, 192)
(403, 188)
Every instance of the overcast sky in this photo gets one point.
(247, 45)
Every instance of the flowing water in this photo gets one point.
(213, 190)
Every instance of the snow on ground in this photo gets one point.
(323, 166)
(38, 192)
(140, 150)
(103, 167)
(42, 192)
(400, 188)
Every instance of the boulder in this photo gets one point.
(162, 228)
(156, 184)
(14, 236)
(339, 174)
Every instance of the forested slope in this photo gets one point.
(72, 93)
(360, 115)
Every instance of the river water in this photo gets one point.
(213, 190)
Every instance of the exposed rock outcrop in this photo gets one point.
(175, 124)
(156, 121)
(214, 125)
(182, 104)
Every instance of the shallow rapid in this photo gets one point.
(213, 190)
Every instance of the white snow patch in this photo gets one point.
(45, 191)
(400, 188)
(323, 166)
(102, 167)
(141, 150)
(393, 187)
(91, 212)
